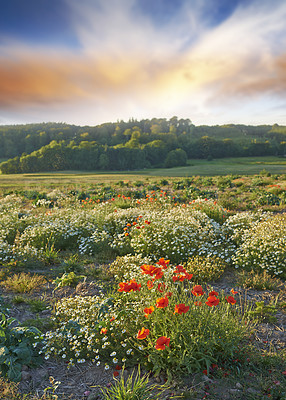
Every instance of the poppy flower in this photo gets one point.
(230, 300)
(150, 284)
(159, 273)
(148, 269)
(197, 290)
(212, 301)
(162, 342)
(168, 294)
(198, 303)
(188, 276)
(103, 331)
(161, 287)
(143, 333)
(162, 302)
(213, 293)
(179, 269)
(115, 374)
(132, 285)
(164, 263)
(118, 367)
(181, 308)
(148, 311)
(233, 291)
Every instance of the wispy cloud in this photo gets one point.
(127, 64)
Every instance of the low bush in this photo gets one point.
(205, 269)
(162, 321)
(263, 247)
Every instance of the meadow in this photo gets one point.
(178, 276)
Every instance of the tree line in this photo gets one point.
(131, 145)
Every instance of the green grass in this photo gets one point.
(224, 166)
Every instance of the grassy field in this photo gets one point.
(225, 166)
(88, 250)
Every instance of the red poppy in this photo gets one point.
(112, 319)
(162, 302)
(213, 293)
(164, 263)
(103, 331)
(212, 301)
(188, 276)
(198, 303)
(169, 294)
(132, 285)
(233, 291)
(149, 269)
(162, 342)
(197, 290)
(148, 311)
(179, 269)
(181, 308)
(118, 367)
(161, 287)
(181, 277)
(150, 284)
(143, 333)
(230, 300)
(115, 374)
(159, 273)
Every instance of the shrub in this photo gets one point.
(155, 233)
(263, 247)
(165, 322)
(205, 269)
(125, 265)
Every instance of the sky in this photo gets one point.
(86, 62)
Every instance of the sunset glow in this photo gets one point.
(97, 61)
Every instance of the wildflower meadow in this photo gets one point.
(127, 275)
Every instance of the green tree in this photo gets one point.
(176, 158)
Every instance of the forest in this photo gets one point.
(132, 145)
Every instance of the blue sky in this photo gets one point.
(92, 61)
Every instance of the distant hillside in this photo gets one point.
(131, 145)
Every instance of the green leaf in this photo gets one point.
(23, 353)
(14, 373)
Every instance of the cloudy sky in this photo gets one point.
(92, 61)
